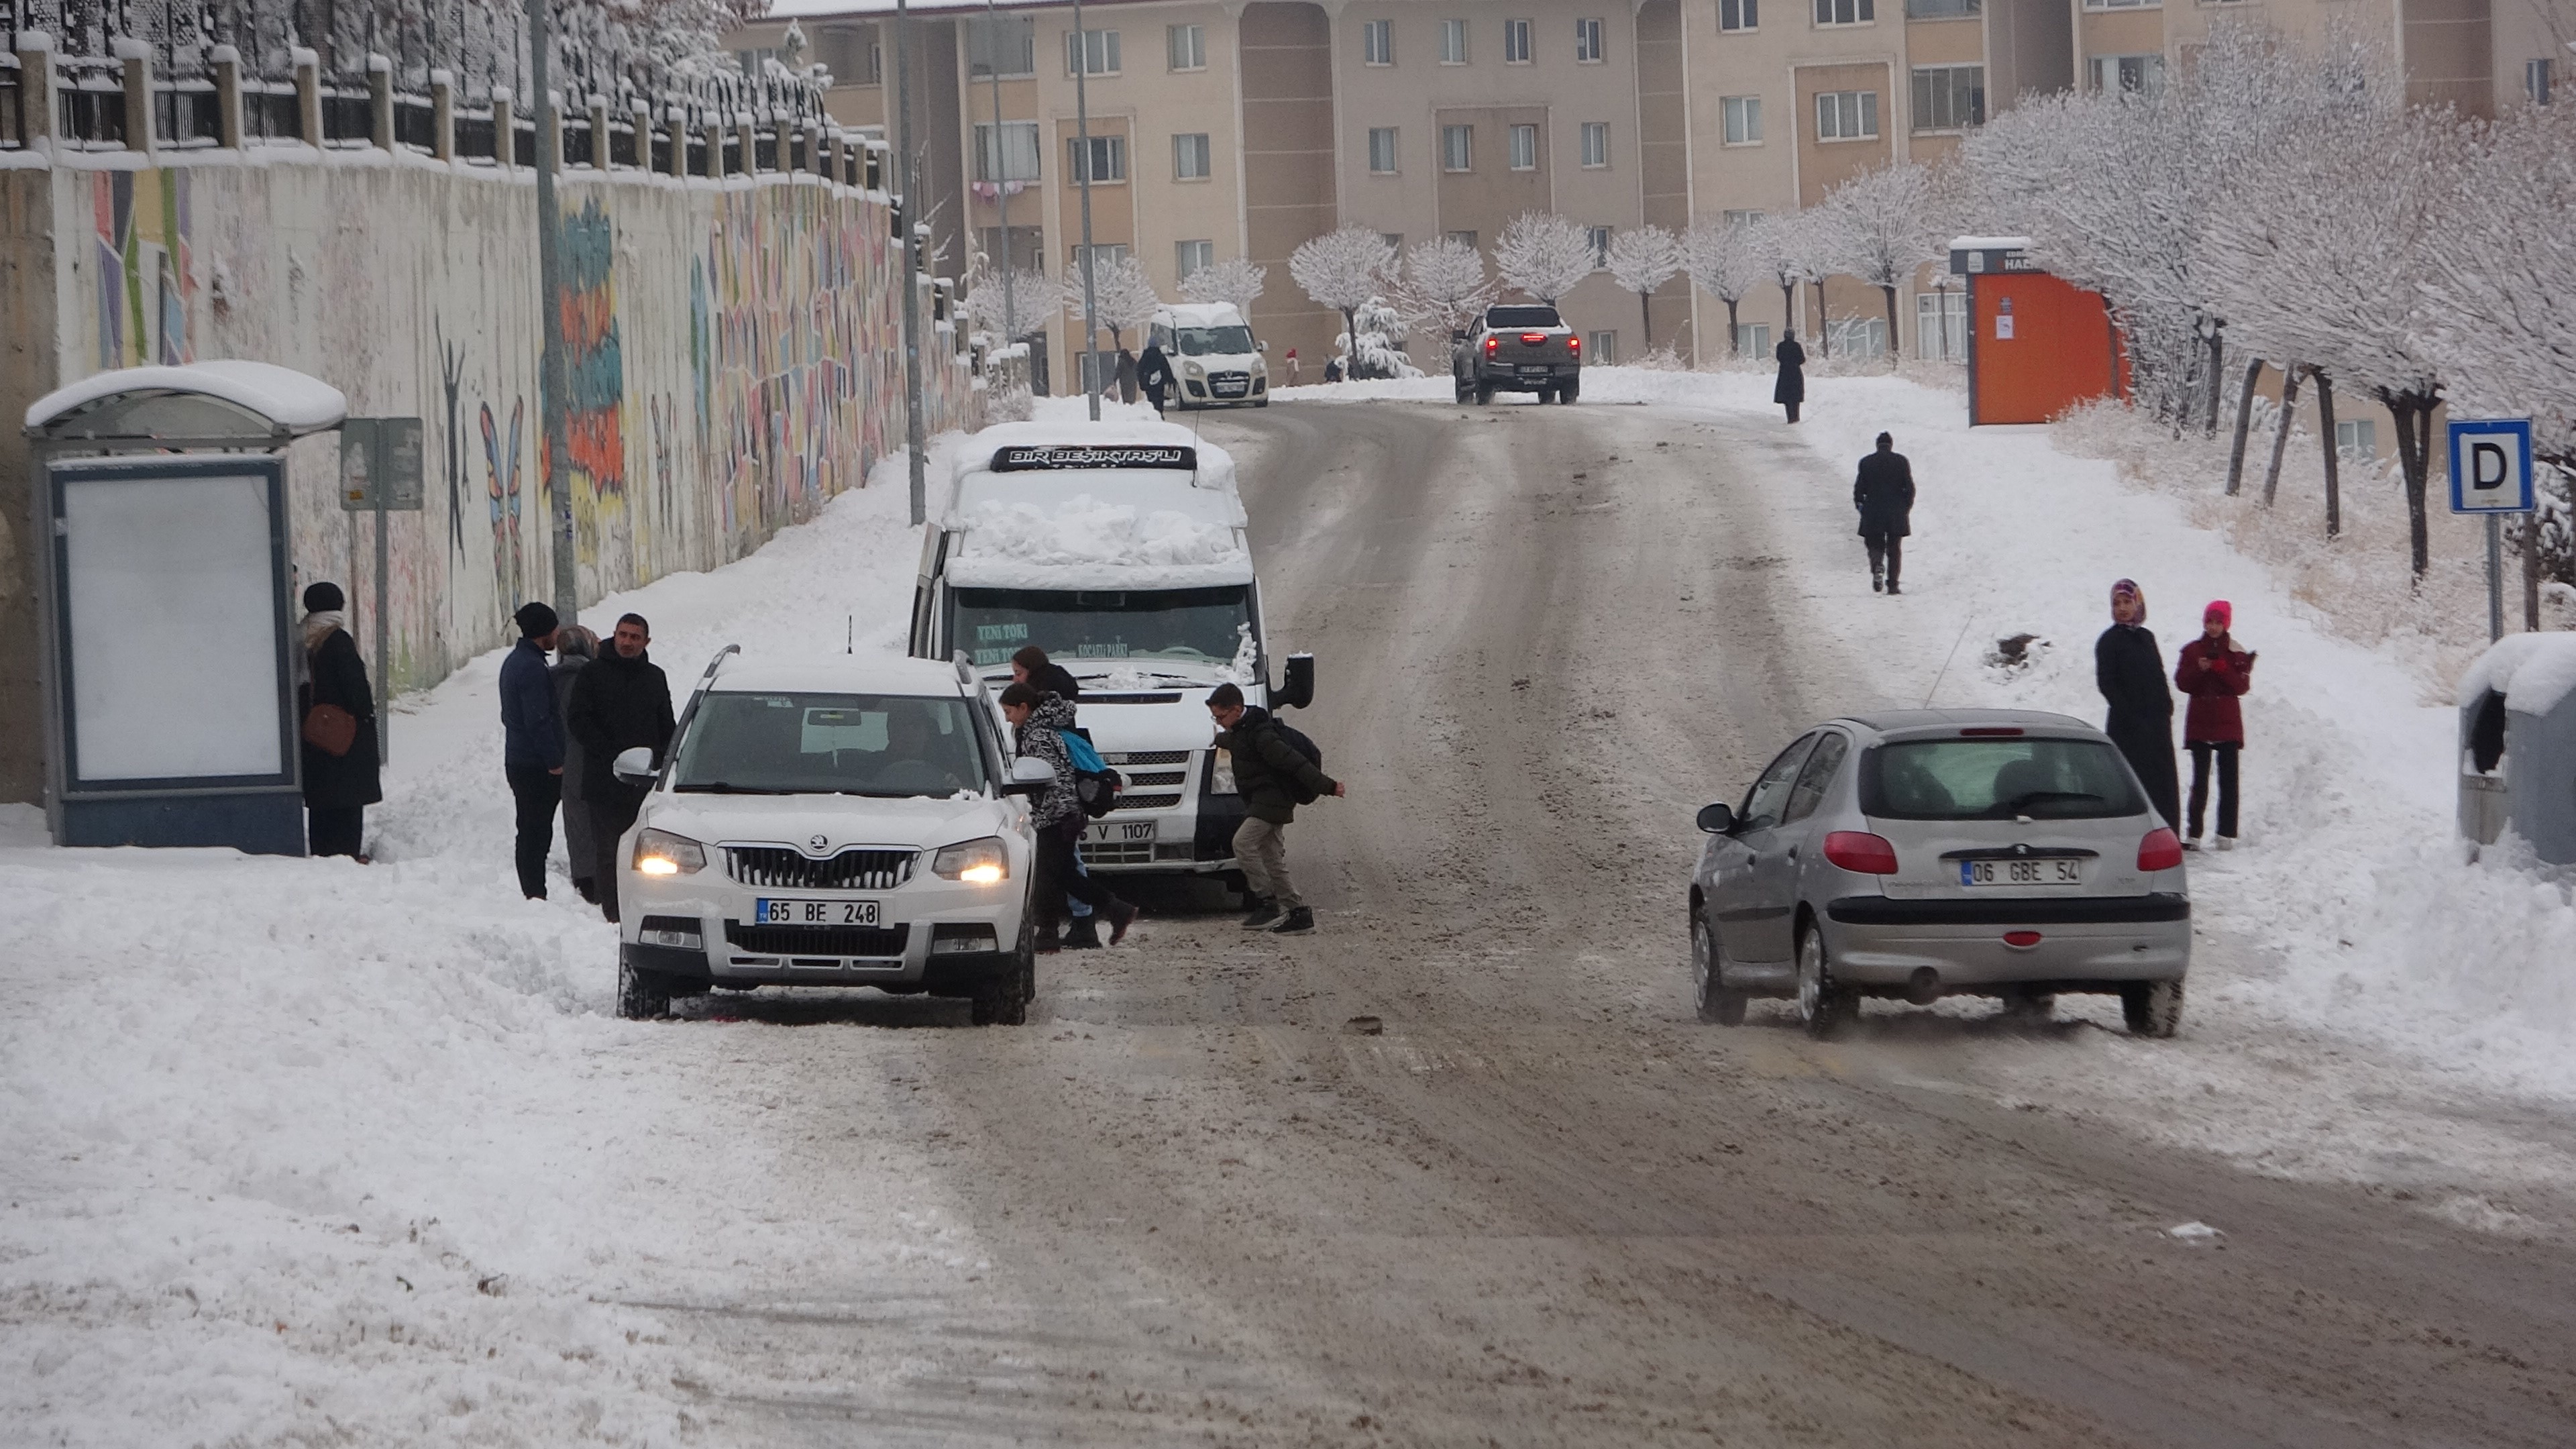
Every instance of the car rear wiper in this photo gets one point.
(2018, 801)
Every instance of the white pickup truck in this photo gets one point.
(1118, 548)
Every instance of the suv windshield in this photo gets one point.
(1997, 779)
(1195, 624)
(830, 744)
(1502, 317)
(1215, 341)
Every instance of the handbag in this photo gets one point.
(330, 729)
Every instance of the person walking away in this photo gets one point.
(575, 647)
(1292, 367)
(1154, 374)
(2130, 672)
(2215, 674)
(619, 702)
(1126, 375)
(532, 743)
(343, 774)
(1333, 370)
(1272, 775)
(1883, 491)
(1038, 720)
(1031, 666)
(1791, 389)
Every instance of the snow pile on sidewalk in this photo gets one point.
(307, 1151)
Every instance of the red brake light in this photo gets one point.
(1492, 342)
(1533, 339)
(1574, 344)
(2159, 851)
(1862, 853)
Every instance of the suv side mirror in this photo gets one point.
(1029, 775)
(1261, 347)
(1717, 819)
(1299, 689)
(635, 766)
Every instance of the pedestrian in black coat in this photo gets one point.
(337, 788)
(1154, 374)
(532, 744)
(620, 701)
(575, 648)
(1883, 492)
(1791, 389)
(2130, 671)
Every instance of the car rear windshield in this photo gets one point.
(828, 744)
(1997, 779)
(1521, 317)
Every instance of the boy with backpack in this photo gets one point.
(1276, 769)
(1042, 729)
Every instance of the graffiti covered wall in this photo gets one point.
(733, 348)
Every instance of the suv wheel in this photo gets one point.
(1568, 390)
(1466, 390)
(1825, 1005)
(1708, 961)
(1546, 395)
(641, 995)
(2152, 1008)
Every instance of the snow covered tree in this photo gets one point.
(1641, 259)
(1235, 280)
(2503, 287)
(1776, 250)
(1343, 270)
(1879, 226)
(1123, 297)
(1445, 283)
(1544, 255)
(1378, 348)
(1031, 296)
(1721, 260)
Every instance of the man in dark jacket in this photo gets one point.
(1270, 774)
(2130, 672)
(1884, 493)
(1154, 374)
(532, 753)
(620, 702)
(575, 647)
(337, 788)
(1791, 389)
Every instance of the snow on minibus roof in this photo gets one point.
(1072, 457)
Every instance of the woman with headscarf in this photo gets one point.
(2130, 671)
(338, 709)
(575, 647)
(1791, 389)
(2215, 673)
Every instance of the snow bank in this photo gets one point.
(1086, 543)
(2532, 671)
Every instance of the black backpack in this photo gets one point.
(1314, 754)
(1095, 785)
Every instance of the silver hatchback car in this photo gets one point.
(1919, 854)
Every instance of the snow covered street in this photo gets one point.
(303, 1151)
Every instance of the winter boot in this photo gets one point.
(1265, 914)
(2192, 844)
(1121, 916)
(1892, 588)
(2227, 842)
(1083, 934)
(1298, 922)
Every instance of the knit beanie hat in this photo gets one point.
(2129, 588)
(2220, 610)
(324, 598)
(535, 620)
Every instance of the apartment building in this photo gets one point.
(1242, 129)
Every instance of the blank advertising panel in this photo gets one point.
(2039, 346)
(170, 621)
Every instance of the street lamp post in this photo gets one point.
(1090, 363)
(1001, 170)
(552, 383)
(910, 239)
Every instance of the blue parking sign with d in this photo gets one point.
(2491, 465)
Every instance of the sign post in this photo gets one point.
(2491, 475)
(380, 473)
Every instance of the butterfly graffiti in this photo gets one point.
(504, 473)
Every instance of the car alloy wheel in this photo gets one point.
(1824, 1004)
(1716, 1003)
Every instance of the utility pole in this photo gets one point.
(1001, 169)
(552, 383)
(1090, 363)
(910, 237)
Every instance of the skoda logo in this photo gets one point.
(816, 844)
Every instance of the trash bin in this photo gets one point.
(2518, 744)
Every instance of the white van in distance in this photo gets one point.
(1212, 354)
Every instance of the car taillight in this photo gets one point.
(2159, 851)
(1532, 339)
(1574, 344)
(1491, 343)
(1860, 852)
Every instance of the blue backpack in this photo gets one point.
(1095, 785)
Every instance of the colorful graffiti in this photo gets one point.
(504, 473)
(595, 381)
(146, 277)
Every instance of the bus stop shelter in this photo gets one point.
(2037, 344)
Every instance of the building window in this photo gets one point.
(2137, 73)
(1857, 336)
(1457, 148)
(1381, 153)
(1105, 254)
(1462, 238)
(1099, 48)
(1190, 157)
(1600, 236)
(2357, 438)
(1393, 239)
(1743, 119)
(1753, 341)
(1516, 42)
(2535, 81)
(1941, 326)
(851, 54)
(1846, 115)
(1187, 45)
(1453, 42)
(2124, 4)
(1949, 97)
(1194, 256)
(1013, 157)
(1596, 143)
(1587, 42)
(1846, 12)
(1524, 141)
(1604, 347)
(1001, 45)
(1739, 14)
(1377, 42)
(1108, 159)
(1942, 9)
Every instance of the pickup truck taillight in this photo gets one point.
(1490, 344)
(1574, 344)
(1532, 339)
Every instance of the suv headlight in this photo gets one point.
(1221, 772)
(976, 862)
(659, 852)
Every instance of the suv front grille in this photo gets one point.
(880, 941)
(777, 867)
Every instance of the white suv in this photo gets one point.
(833, 822)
